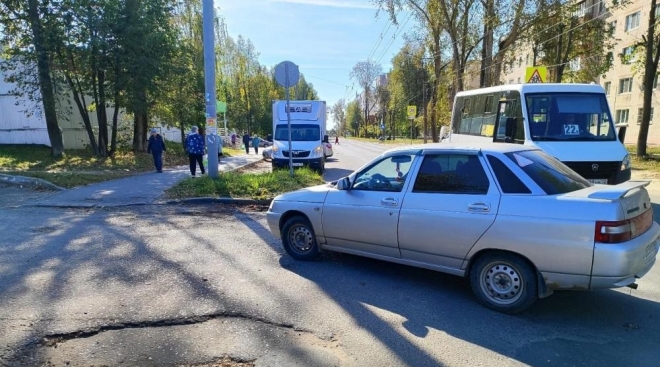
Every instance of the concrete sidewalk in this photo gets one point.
(135, 190)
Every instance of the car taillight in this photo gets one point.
(623, 230)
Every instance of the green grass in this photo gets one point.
(649, 164)
(249, 185)
(81, 167)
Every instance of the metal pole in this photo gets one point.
(288, 118)
(212, 139)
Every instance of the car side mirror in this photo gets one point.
(344, 184)
(622, 132)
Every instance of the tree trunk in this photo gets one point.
(487, 45)
(140, 125)
(45, 81)
(82, 109)
(102, 116)
(650, 70)
(115, 123)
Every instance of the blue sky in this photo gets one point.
(325, 38)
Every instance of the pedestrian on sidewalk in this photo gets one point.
(156, 147)
(195, 149)
(233, 140)
(337, 140)
(255, 143)
(246, 142)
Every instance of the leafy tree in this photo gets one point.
(339, 116)
(365, 73)
(26, 29)
(651, 46)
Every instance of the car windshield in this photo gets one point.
(299, 132)
(569, 117)
(549, 173)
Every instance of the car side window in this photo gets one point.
(388, 174)
(509, 182)
(452, 174)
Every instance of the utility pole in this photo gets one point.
(212, 138)
(424, 106)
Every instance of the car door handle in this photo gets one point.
(479, 207)
(389, 202)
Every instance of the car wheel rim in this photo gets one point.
(501, 283)
(301, 239)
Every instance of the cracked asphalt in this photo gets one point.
(168, 285)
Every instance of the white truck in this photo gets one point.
(308, 134)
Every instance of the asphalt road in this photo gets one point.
(173, 285)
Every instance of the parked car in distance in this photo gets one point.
(327, 150)
(262, 143)
(515, 221)
(267, 153)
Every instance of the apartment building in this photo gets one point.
(621, 82)
(624, 86)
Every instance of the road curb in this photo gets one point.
(29, 181)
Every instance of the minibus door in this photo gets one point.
(505, 122)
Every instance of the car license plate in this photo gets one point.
(598, 181)
(297, 164)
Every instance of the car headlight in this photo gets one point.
(318, 151)
(626, 163)
(276, 151)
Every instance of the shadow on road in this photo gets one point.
(579, 328)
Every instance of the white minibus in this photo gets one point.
(572, 122)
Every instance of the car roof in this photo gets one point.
(475, 147)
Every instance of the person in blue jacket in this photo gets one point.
(195, 148)
(255, 143)
(156, 147)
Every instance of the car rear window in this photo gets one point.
(509, 182)
(549, 173)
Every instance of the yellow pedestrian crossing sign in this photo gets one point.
(412, 112)
(536, 74)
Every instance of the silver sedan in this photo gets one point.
(514, 220)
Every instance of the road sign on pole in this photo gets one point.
(412, 112)
(287, 75)
(536, 74)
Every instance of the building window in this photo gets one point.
(613, 27)
(655, 81)
(575, 64)
(621, 116)
(510, 81)
(632, 21)
(602, 7)
(639, 116)
(607, 87)
(581, 9)
(625, 85)
(518, 80)
(527, 59)
(628, 55)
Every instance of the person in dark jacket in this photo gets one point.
(156, 147)
(195, 148)
(246, 142)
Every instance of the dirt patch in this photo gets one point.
(257, 167)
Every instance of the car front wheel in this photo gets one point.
(299, 240)
(504, 282)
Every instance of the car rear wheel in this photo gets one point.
(504, 282)
(299, 240)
